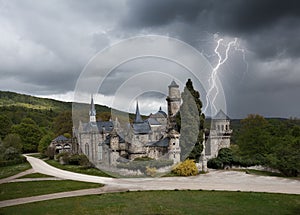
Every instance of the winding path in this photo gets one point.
(215, 180)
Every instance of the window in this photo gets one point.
(174, 144)
(222, 127)
(100, 152)
(86, 149)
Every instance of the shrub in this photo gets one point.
(186, 168)
(63, 157)
(215, 163)
(150, 171)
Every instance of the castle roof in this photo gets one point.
(153, 121)
(60, 138)
(221, 115)
(173, 84)
(141, 128)
(164, 142)
(138, 118)
(108, 137)
(102, 126)
(159, 114)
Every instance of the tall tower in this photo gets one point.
(174, 100)
(138, 118)
(92, 112)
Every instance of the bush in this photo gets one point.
(74, 159)
(215, 163)
(63, 157)
(186, 168)
(19, 160)
(150, 171)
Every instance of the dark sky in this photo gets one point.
(45, 45)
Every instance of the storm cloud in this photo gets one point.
(45, 45)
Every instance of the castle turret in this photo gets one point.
(174, 101)
(92, 112)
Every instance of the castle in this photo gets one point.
(106, 143)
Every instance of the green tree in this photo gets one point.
(63, 123)
(30, 134)
(191, 123)
(13, 140)
(5, 125)
(285, 155)
(45, 142)
(254, 140)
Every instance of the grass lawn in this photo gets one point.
(7, 171)
(36, 175)
(34, 188)
(166, 202)
(78, 169)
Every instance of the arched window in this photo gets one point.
(226, 127)
(86, 149)
(100, 151)
(222, 127)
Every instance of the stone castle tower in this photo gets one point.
(174, 102)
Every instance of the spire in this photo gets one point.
(92, 112)
(138, 118)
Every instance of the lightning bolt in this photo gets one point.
(221, 60)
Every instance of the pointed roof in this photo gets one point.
(221, 115)
(138, 118)
(60, 138)
(92, 107)
(173, 84)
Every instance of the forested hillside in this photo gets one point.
(23, 114)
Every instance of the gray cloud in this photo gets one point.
(45, 45)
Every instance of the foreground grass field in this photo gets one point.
(7, 171)
(166, 202)
(33, 188)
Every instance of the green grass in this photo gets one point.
(78, 169)
(36, 175)
(166, 202)
(7, 171)
(34, 188)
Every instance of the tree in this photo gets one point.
(254, 139)
(45, 142)
(13, 140)
(191, 123)
(30, 134)
(285, 155)
(5, 125)
(63, 123)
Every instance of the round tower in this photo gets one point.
(174, 101)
